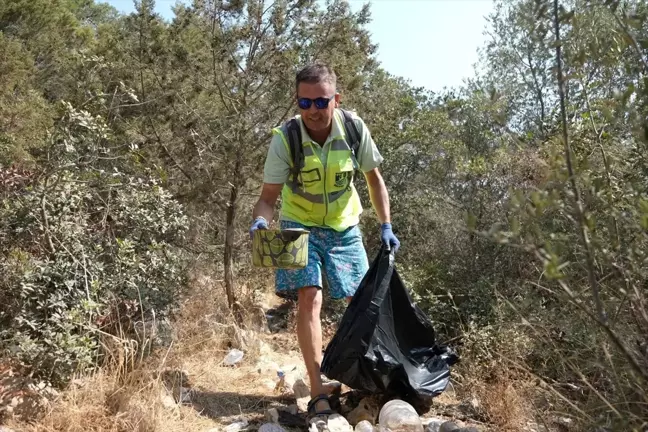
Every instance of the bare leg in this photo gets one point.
(309, 334)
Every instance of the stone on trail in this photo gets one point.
(166, 399)
(300, 389)
(437, 425)
(434, 424)
(271, 427)
(449, 427)
(302, 403)
(272, 415)
(318, 424)
(237, 426)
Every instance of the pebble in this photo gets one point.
(272, 415)
(434, 425)
(271, 427)
(237, 426)
(300, 389)
(449, 427)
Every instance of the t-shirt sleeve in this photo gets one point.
(368, 155)
(277, 165)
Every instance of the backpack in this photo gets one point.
(294, 142)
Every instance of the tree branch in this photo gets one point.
(580, 213)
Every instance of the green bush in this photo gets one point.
(76, 243)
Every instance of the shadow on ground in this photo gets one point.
(20, 396)
(279, 317)
(217, 405)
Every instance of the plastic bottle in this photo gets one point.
(280, 387)
(399, 416)
(364, 426)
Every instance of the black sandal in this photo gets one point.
(312, 412)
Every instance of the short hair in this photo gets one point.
(315, 73)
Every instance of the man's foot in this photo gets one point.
(319, 406)
(331, 388)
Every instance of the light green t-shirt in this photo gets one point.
(277, 164)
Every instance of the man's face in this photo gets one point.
(317, 119)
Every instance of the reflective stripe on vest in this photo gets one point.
(323, 196)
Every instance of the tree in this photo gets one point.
(225, 78)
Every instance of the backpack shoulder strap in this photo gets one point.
(293, 133)
(352, 135)
(351, 131)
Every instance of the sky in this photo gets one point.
(433, 43)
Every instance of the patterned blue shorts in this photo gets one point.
(341, 255)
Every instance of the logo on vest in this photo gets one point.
(340, 179)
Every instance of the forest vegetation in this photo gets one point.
(132, 150)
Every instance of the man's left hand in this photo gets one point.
(388, 237)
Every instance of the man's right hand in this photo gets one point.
(259, 223)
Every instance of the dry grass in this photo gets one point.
(504, 403)
(149, 395)
(105, 403)
(147, 399)
(133, 394)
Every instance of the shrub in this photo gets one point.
(76, 241)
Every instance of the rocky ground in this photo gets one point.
(257, 383)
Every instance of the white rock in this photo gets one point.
(300, 389)
(448, 427)
(272, 415)
(292, 409)
(291, 379)
(565, 421)
(237, 426)
(318, 424)
(269, 384)
(433, 425)
(167, 400)
(302, 403)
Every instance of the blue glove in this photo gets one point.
(388, 237)
(259, 223)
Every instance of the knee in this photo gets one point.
(310, 299)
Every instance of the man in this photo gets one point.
(323, 200)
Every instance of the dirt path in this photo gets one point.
(246, 391)
(188, 388)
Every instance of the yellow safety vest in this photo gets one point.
(323, 196)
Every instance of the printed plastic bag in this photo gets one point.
(385, 343)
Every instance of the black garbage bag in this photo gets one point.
(385, 343)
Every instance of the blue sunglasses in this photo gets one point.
(320, 102)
